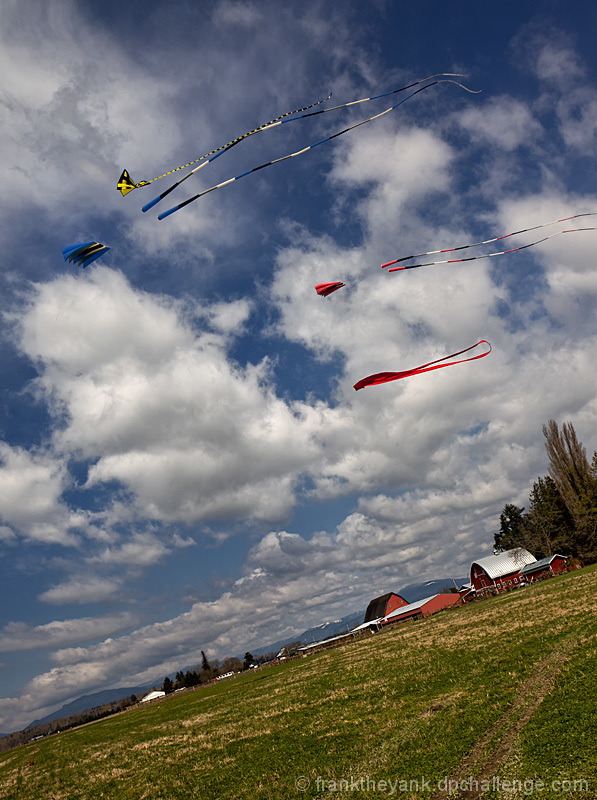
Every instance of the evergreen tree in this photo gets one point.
(204, 662)
(550, 528)
(248, 660)
(167, 686)
(512, 528)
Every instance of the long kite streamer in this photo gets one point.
(126, 183)
(488, 241)
(386, 377)
(305, 149)
(281, 120)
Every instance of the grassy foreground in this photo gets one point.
(497, 700)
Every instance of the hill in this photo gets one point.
(87, 701)
(418, 591)
(498, 694)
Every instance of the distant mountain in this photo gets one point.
(417, 591)
(316, 634)
(88, 701)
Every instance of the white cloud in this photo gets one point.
(66, 123)
(6, 534)
(502, 121)
(142, 549)
(30, 489)
(245, 15)
(158, 405)
(17, 636)
(89, 589)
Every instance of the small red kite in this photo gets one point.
(323, 289)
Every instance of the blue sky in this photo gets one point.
(184, 464)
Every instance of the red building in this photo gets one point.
(422, 608)
(545, 568)
(501, 571)
(382, 606)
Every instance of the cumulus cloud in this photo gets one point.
(31, 485)
(157, 405)
(502, 121)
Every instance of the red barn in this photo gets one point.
(422, 608)
(382, 606)
(501, 571)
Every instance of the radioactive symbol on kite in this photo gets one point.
(84, 253)
(126, 183)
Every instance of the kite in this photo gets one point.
(126, 183)
(323, 289)
(386, 377)
(84, 253)
(304, 149)
(488, 241)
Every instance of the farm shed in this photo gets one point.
(152, 696)
(381, 606)
(422, 608)
(466, 591)
(501, 571)
(545, 568)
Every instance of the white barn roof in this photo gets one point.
(504, 563)
(544, 562)
(398, 612)
(152, 696)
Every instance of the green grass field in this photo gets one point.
(501, 690)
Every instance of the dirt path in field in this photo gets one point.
(484, 760)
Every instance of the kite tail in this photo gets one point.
(489, 241)
(126, 184)
(167, 213)
(386, 377)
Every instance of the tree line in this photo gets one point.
(208, 671)
(64, 723)
(562, 511)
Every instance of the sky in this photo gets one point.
(184, 463)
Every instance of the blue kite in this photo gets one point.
(84, 253)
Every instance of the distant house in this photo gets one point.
(545, 568)
(466, 592)
(422, 608)
(383, 605)
(501, 571)
(152, 696)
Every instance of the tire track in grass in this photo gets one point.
(494, 748)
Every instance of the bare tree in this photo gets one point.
(576, 482)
